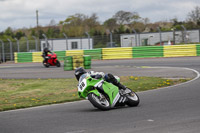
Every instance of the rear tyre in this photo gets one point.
(99, 102)
(58, 63)
(46, 64)
(133, 99)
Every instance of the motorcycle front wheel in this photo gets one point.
(99, 102)
(58, 63)
(133, 99)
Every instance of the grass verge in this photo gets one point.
(23, 93)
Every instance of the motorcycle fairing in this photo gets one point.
(112, 91)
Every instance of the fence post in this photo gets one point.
(17, 44)
(111, 39)
(160, 35)
(66, 40)
(199, 35)
(139, 39)
(135, 36)
(46, 40)
(184, 33)
(81, 43)
(27, 43)
(88, 38)
(11, 54)
(174, 38)
(36, 43)
(3, 53)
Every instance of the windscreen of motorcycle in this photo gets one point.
(82, 83)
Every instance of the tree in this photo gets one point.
(9, 32)
(138, 26)
(75, 20)
(111, 24)
(73, 26)
(121, 29)
(40, 33)
(194, 15)
(91, 21)
(33, 32)
(78, 24)
(19, 34)
(49, 33)
(123, 17)
(177, 24)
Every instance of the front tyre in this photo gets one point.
(58, 63)
(99, 102)
(133, 99)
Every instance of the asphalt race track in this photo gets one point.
(173, 109)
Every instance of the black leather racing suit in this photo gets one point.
(107, 77)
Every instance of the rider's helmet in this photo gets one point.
(46, 49)
(78, 72)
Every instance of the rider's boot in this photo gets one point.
(115, 82)
(121, 86)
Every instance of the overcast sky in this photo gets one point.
(22, 13)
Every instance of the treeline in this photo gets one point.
(122, 22)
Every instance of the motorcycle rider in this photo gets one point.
(107, 77)
(45, 54)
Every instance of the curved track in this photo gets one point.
(171, 110)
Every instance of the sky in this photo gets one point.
(22, 13)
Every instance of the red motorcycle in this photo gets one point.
(51, 60)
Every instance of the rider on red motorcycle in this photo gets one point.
(45, 54)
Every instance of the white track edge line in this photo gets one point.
(44, 106)
(195, 71)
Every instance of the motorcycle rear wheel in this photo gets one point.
(99, 102)
(46, 65)
(133, 99)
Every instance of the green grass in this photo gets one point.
(23, 93)
(148, 83)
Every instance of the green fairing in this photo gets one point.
(95, 92)
(89, 86)
(110, 89)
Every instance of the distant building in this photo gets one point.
(67, 44)
(153, 38)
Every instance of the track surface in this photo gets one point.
(170, 110)
(137, 67)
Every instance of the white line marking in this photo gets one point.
(80, 131)
(195, 71)
(43, 106)
(15, 66)
(150, 120)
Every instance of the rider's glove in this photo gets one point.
(98, 76)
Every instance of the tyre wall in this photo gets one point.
(117, 53)
(73, 62)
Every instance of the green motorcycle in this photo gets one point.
(104, 95)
